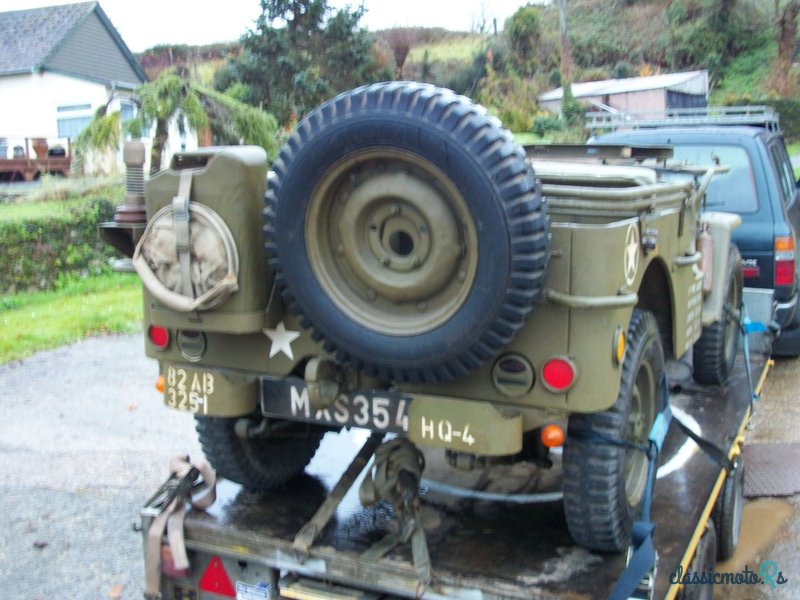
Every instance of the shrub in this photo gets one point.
(571, 109)
(40, 253)
(546, 124)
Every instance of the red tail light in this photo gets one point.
(159, 336)
(784, 261)
(558, 374)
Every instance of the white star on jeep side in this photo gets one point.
(631, 256)
(281, 339)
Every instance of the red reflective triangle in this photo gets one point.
(216, 580)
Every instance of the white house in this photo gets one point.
(58, 64)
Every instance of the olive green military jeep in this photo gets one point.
(423, 276)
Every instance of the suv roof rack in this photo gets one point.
(598, 152)
(758, 116)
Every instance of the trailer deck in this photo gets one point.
(243, 545)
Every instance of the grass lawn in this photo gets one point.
(30, 322)
(526, 137)
(23, 211)
(456, 48)
(110, 303)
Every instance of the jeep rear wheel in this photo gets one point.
(715, 352)
(604, 484)
(257, 463)
(408, 230)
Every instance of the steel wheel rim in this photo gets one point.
(640, 419)
(731, 309)
(391, 241)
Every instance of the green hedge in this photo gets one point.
(43, 253)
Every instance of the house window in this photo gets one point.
(127, 110)
(72, 119)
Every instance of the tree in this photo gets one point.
(102, 134)
(399, 40)
(566, 51)
(163, 101)
(299, 56)
(524, 30)
(710, 33)
(783, 80)
(233, 122)
(170, 99)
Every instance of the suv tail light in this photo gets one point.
(784, 261)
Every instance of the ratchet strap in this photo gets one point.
(310, 531)
(192, 482)
(395, 477)
(639, 575)
(180, 221)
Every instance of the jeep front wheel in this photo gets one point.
(604, 484)
(714, 353)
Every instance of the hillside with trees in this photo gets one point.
(302, 52)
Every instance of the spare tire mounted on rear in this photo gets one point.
(408, 230)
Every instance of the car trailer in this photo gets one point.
(313, 539)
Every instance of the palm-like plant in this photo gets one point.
(169, 98)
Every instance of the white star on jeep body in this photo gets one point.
(281, 339)
(631, 257)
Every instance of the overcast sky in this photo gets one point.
(147, 23)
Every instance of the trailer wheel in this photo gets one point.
(715, 352)
(260, 463)
(604, 484)
(705, 557)
(727, 515)
(407, 229)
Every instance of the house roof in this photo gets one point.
(690, 82)
(33, 39)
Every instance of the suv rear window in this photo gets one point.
(734, 191)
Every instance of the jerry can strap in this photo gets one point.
(187, 257)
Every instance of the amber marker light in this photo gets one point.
(552, 435)
(619, 346)
(160, 384)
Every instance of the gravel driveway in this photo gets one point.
(84, 441)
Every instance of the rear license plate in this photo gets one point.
(189, 390)
(378, 411)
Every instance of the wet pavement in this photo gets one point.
(770, 537)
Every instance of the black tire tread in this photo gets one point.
(469, 125)
(711, 363)
(724, 515)
(595, 505)
(260, 463)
